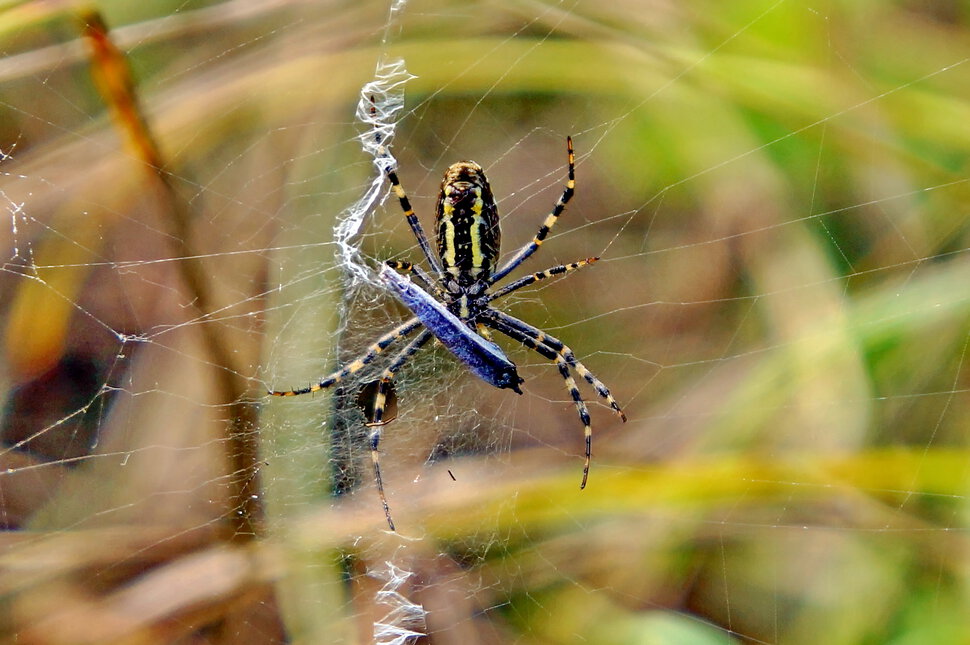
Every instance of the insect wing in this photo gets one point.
(484, 358)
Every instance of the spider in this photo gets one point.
(453, 302)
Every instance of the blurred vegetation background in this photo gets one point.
(779, 193)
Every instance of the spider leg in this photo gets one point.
(420, 274)
(541, 275)
(377, 420)
(358, 363)
(550, 353)
(391, 173)
(564, 351)
(547, 225)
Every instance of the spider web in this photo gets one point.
(778, 194)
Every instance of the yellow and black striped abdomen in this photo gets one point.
(467, 224)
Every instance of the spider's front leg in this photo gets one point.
(358, 363)
(551, 348)
(554, 343)
(377, 419)
(577, 398)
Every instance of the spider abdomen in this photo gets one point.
(467, 224)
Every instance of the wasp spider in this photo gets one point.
(453, 301)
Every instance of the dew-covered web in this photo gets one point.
(777, 192)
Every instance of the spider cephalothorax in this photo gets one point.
(452, 303)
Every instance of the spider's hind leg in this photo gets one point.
(420, 275)
(531, 247)
(391, 173)
(541, 275)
